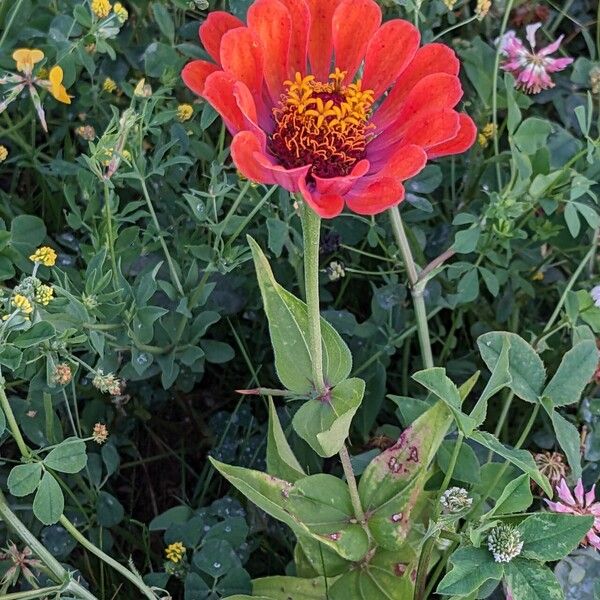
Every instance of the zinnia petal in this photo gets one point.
(242, 57)
(219, 91)
(375, 197)
(211, 32)
(320, 43)
(326, 206)
(300, 14)
(354, 24)
(343, 184)
(388, 53)
(195, 73)
(463, 140)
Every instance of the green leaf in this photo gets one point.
(567, 436)
(437, 382)
(288, 588)
(322, 503)
(530, 580)
(516, 497)
(324, 425)
(36, 334)
(10, 357)
(471, 568)
(532, 134)
(273, 496)
(499, 379)
(68, 457)
(288, 326)
(520, 458)
(467, 466)
(26, 233)
(525, 366)
(2, 422)
(551, 536)
(386, 576)
(164, 21)
(573, 374)
(24, 479)
(48, 503)
(281, 461)
(390, 485)
(177, 514)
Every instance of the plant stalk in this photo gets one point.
(12, 422)
(417, 287)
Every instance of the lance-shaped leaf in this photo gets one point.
(288, 326)
(393, 481)
(281, 461)
(516, 497)
(324, 423)
(439, 384)
(385, 576)
(288, 503)
(574, 373)
(525, 366)
(520, 458)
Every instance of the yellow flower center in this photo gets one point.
(322, 124)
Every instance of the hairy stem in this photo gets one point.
(12, 422)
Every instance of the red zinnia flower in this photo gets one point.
(286, 87)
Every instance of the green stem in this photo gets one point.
(12, 422)
(311, 229)
(417, 287)
(32, 594)
(132, 577)
(39, 550)
(110, 235)
(359, 513)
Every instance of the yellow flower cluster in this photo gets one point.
(487, 133)
(45, 256)
(450, 4)
(109, 85)
(101, 8)
(22, 303)
(121, 12)
(3, 153)
(175, 552)
(483, 8)
(44, 294)
(184, 112)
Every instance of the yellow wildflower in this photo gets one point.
(44, 294)
(109, 85)
(121, 12)
(100, 433)
(86, 132)
(483, 8)
(486, 134)
(22, 303)
(57, 89)
(450, 4)
(538, 276)
(44, 255)
(26, 58)
(3, 153)
(184, 112)
(101, 8)
(175, 552)
(126, 155)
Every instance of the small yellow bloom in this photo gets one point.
(487, 133)
(538, 276)
(450, 4)
(101, 8)
(44, 294)
(109, 85)
(26, 58)
(184, 112)
(57, 89)
(483, 8)
(121, 12)
(19, 301)
(3, 153)
(175, 552)
(44, 255)
(126, 155)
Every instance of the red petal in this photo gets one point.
(271, 22)
(428, 130)
(247, 106)
(376, 196)
(211, 32)
(403, 164)
(325, 205)
(432, 58)
(342, 185)
(300, 15)
(388, 54)
(248, 155)
(218, 91)
(241, 56)
(462, 142)
(354, 24)
(320, 43)
(195, 73)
